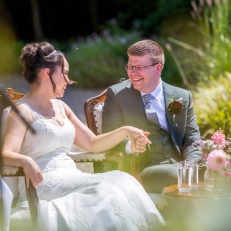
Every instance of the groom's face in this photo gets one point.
(147, 79)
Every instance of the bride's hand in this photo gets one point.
(138, 139)
(32, 172)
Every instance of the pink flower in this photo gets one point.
(216, 160)
(227, 173)
(219, 138)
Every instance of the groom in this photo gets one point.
(146, 102)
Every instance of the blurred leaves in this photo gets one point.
(211, 56)
(206, 65)
(9, 46)
(212, 103)
(98, 61)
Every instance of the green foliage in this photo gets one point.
(215, 26)
(170, 72)
(212, 104)
(206, 63)
(98, 61)
(211, 56)
(10, 51)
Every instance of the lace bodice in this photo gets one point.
(48, 146)
(50, 137)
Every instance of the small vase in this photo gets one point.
(213, 180)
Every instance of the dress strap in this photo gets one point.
(35, 115)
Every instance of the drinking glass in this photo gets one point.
(184, 176)
(194, 174)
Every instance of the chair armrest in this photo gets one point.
(10, 171)
(87, 156)
(115, 153)
(32, 201)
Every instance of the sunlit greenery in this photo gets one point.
(212, 103)
(207, 66)
(211, 56)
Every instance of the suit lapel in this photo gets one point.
(135, 103)
(168, 93)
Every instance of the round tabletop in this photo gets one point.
(173, 192)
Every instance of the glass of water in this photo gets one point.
(194, 174)
(184, 176)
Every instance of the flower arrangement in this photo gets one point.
(216, 152)
(175, 106)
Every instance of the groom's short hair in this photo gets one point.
(147, 47)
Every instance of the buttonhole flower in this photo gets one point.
(175, 106)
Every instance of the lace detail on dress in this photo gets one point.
(49, 176)
(131, 202)
(48, 186)
(141, 223)
(68, 186)
(51, 166)
(118, 211)
(35, 115)
(62, 110)
(54, 165)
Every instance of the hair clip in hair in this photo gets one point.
(51, 53)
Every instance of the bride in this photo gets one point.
(68, 198)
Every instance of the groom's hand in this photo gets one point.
(140, 143)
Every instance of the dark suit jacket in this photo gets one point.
(124, 106)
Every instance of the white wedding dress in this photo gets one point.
(73, 200)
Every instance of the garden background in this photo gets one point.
(95, 34)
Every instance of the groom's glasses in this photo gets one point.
(138, 68)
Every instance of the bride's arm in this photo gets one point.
(87, 140)
(14, 133)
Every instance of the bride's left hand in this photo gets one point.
(138, 139)
(32, 172)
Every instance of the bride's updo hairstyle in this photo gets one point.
(36, 56)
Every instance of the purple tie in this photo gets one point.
(149, 110)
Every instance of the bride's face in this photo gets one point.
(60, 78)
